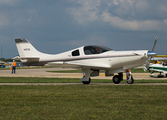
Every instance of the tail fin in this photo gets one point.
(26, 50)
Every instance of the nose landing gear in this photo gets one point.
(130, 79)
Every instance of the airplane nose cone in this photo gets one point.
(151, 53)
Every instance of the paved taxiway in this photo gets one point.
(42, 72)
(81, 84)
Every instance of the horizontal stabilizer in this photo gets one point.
(30, 57)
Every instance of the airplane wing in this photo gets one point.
(78, 65)
(110, 71)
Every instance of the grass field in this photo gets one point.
(83, 102)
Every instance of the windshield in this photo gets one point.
(95, 49)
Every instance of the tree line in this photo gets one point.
(8, 60)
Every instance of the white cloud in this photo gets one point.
(144, 25)
(116, 2)
(118, 13)
(163, 8)
(87, 12)
(165, 21)
(131, 2)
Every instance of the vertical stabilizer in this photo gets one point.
(25, 49)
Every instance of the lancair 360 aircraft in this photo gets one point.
(91, 59)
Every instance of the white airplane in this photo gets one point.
(91, 59)
(159, 67)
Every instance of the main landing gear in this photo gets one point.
(87, 82)
(87, 73)
(118, 78)
(86, 76)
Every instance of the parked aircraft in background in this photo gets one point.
(91, 59)
(159, 58)
(4, 64)
(160, 67)
(158, 64)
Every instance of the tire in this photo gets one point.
(131, 81)
(160, 76)
(116, 79)
(86, 82)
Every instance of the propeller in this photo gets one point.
(156, 38)
(150, 55)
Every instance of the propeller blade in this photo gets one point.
(150, 54)
(156, 38)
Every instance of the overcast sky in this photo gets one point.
(54, 26)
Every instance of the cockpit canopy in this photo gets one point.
(88, 50)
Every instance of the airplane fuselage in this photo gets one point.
(103, 61)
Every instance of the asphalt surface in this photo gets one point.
(81, 84)
(42, 72)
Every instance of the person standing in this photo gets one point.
(13, 67)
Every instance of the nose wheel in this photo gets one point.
(130, 80)
(129, 77)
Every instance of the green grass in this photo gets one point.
(65, 80)
(83, 102)
(136, 70)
